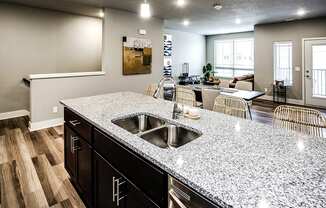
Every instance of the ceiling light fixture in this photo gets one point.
(237, 21)
(218, 5)
(181, 3)
(186, 22)
(101, 14)
(301, 12)
(145, 10)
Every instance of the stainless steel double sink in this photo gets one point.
(157, 131)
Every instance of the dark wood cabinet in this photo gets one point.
(151, 180)
(78, 163)
(113, 190)
(105, 173)
(104, 178)
(84, 170)
(135, 198)
(70, 156)
(78, 124)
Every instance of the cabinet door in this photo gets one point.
(134, 198)
(112, 190)
(69, 152)
(84, 170)
(104, 178)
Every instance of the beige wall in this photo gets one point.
(43, 41)
(116, 25)
(265, 35)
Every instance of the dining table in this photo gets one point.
(244, 94)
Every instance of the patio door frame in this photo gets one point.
(303, 68)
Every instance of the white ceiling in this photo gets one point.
(203, 17)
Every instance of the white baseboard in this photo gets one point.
(34, 126)
(14, 114)
(290, 101)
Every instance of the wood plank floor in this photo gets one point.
(32, 174)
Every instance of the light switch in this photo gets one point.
(297, 68)
(55, 109)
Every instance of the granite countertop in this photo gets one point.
(235, 163)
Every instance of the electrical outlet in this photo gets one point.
(55, 109)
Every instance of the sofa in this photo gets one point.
(247, 78)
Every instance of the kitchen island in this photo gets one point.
(234, 163)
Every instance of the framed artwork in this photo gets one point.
(137, 56)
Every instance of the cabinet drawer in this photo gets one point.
(78, 124)
(150, 180)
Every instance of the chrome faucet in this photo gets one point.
(161, 85)
(176, 111)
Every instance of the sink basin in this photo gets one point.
(170, 136)
(139, 123)
(157, 131)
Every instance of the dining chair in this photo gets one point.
(305, 120)
(233, 106)
(242, 85)
(224, 83)
(151, 88)
(209, 96)
(186, 96)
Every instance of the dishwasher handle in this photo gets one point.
(176, 201)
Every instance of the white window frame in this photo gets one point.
(289, 81)
(233, 56)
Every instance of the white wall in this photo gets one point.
(46, 93)
(187, 47)
(42, 41)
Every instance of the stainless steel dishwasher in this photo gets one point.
(181, 196)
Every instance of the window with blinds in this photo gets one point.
(234, 57)
(283, 62)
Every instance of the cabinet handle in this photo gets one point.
(113, 189)
(74, 122)
(73, 140)
(117, 194)
(176, 200)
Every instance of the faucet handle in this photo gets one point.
(177, 110)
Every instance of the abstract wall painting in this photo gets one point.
(137, 56)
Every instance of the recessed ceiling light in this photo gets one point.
(145, 10)
(237, 21)
(186, 22)
(181, 3)
(218, 5)
(301, 12)
(101, 14)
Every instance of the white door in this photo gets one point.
(315, 72)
